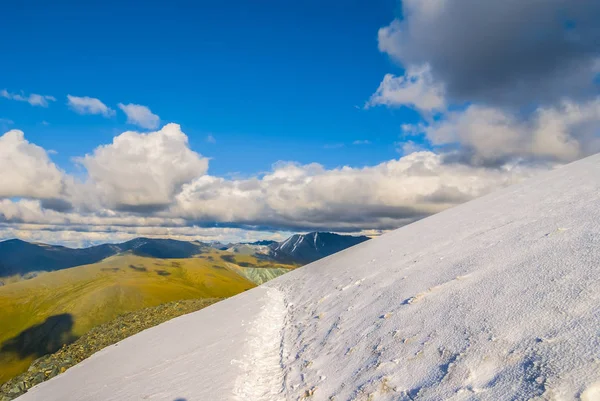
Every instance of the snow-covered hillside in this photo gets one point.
(497, 299)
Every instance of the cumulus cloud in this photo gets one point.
(140, 171)
(407, 147)
(140, 115)
(416, 89)
(384, 196)
(154, 184)
(33, 99)
(27, 171)
(492, 136)
(501, 52)
(89, 105)
(508, 81)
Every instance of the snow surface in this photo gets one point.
(496, 299)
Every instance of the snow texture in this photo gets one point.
(496, 299)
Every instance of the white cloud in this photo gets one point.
(143, 170)
(501, 53)
(89, 105)
(211, 139)
(388, 39)
(412, 129)
(415, 89)
(507, 82)
(153, 184)
(24, 219)
(488, 135)
(33, 99)
(140, 115)
(361, 142)
(408, 147)
(27, 171)
(384, 196)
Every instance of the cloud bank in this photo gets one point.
(153, 183)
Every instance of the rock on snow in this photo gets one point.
(496, 299)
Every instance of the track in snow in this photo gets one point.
(262, 377)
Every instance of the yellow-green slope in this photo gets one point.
(38, 315)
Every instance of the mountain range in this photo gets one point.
(19, 257)
(43, 284)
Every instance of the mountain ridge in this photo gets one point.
(18, 257)
(307, 248)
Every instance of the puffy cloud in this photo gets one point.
(415, 89)
(89, 105)
(33, 99)
(492, 136)
(407, 147)
(509, 52)
(511, 81)
(153, 184)
(140, 115)
(27, 171)
(143, 171)
(384, 196)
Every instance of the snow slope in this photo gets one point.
(496, 299)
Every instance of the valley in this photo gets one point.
(40, 311)
(38, 315)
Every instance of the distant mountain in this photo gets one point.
(19, 257)
(41, 314)
(162, 248)
(263, 242)
(248, 249)
(307, 248)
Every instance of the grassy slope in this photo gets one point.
(97, 293)
(96, 339)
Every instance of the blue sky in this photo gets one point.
(247, 120)
(269, 80)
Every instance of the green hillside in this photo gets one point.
(39, 315)
(99, 337)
